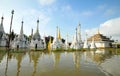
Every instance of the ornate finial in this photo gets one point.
(38, 21)
(12, 12)
(98, 31)
(31, 32)
(2, 17)
(79, 23)
(76, 31)
(22, 22)
(67, 35)
(57, 27)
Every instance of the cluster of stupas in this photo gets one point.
(36, 43)
(20, 41)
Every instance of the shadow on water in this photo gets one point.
(75, 63)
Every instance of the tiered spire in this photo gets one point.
(76, 35)
(66, 39)
(37, 31)
(59, 36)
(56, 32)
(98, 31)
(86, 43)
(2, 20)
(31, 33)
(66, 42)
(93, 46)
(79, 32)
(1, 25)
(21, 31)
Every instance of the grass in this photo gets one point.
(3, 49)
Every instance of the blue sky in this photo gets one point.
(92, 14)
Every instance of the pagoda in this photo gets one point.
(3, 37)
(100, 41)
(20, 41)
(77, 42)
(57, 42)
(36, 41)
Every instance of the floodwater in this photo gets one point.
(36, 63)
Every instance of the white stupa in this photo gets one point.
(77, 42)
(86, 46)
(3, 37)
(36, 41)
(66, 43)
(57, 42)
(92, 46)
(20, 41)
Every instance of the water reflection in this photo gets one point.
(76, 60)
(56, 58)
(34, 56)
(56, 63)
(19, 58)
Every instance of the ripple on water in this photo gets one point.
(112, 65)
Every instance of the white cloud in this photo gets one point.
(87, 13)
(108, 28)
(101, 7)
(109, 12)
(66, 8)
(46, 2)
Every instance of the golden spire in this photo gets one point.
(59, 36)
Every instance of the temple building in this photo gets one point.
(36, 41)
(3, 37)
(20, 41)
(77, 42)
(57, 42)
(100, 41)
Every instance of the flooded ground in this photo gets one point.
(88, 63)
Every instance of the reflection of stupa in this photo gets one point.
(76, 60)
(34, 56)
(19, 60)
(2, 55)
(56, 58)
(97, 56)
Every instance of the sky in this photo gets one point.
(66, 14)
